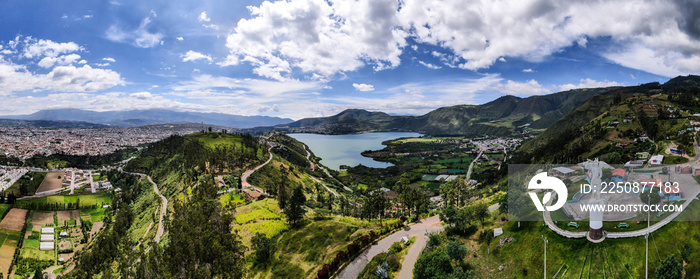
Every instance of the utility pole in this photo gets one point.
(646, 272)
(545, 256)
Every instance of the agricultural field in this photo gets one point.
(259, 217)
(52, 181)
(86, 200)
(10, 240)
(231, 200)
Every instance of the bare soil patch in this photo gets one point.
(76, 216)
(96, 227)
(40, 219)
(52, 181)
(14, 220)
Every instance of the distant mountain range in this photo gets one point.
(49, 124)
(500, 117)
(150, 117)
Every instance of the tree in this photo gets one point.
(650, 197)
(503, 204)
(480, 211)
(264, 247)
(435, 264)
(456, 250)
(294, 209)
(201, 242)
(670, 268)
(38, 275)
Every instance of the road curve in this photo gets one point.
(163, 210)
(429, 225)
(246, 174)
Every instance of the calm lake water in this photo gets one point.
(336, 150)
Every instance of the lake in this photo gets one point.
(336, 150)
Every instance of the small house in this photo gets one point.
(618, 175)
(563, 171)
(656, 159)
(252, 195)
(672, 195)
(497, 232)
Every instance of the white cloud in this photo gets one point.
(141, 37)
(180, 38)
(34, 48)
(589, 83)
(101, 64)
(15, 78)
(317, 36)
(251, 87)
(527, 71)
(141, 95)
(481, 32)
(48, 62)
(431, 66)
(87, 16)
(109, 59)
(363, 87)
(203, 17)
(529, 88)
(193, 56)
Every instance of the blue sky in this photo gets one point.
(305, 58)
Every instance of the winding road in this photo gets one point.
(419, 230)
(163, 210)
(246, 174)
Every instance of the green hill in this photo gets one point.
(503, 116)
(613, 125)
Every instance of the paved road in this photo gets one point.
(419, 230)
(246, 174)
(409, 262)
(163, 209)
(314, 166)
(469, 172)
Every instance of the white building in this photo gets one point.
(47, 230)
(46, 246)
(46, 237)
(656, 159)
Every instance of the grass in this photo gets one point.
(93, 215)
(578, 258)
(4, 208)
(47, 255)
(260, 217)
(302, 251)
(85, 200)
(230, 199)
(31, 243)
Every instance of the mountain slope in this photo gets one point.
(151, 116)
(612, 125)
(500, 117)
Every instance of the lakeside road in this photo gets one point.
(419, 230)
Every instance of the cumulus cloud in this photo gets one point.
(317, 36)
(109, 59)
(43, 48)
(285, 35)
(203, 17)
(527, 71)
(141, 37)
(180, 38)
(363, 87)
(194, 56)
(589, 83)
(48, 62)
(15, 78)
(529, 88)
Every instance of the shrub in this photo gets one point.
(396, 247)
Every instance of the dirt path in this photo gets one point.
(419, 230)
